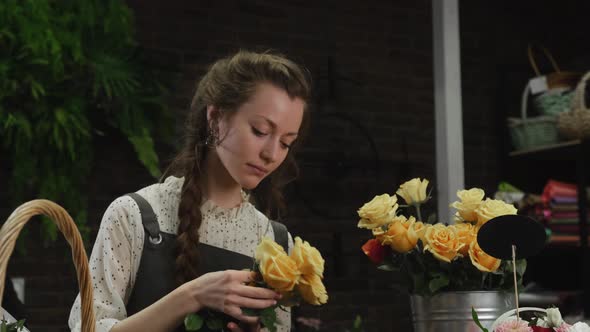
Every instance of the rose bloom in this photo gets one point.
(312, 290)
(400, 235)
(491, 208)
(374, 250)
(378, 212)
(308, 259)
(481, 260)
(442, 242)
(553, 317)
(414, 191)
(469, 201)
(466, 234)
(278, 270)
(420, 229)
(514, 326)
(268, 247)
(578, 327)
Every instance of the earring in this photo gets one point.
(212, 137)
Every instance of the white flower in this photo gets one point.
(579, 327)
(554, 317)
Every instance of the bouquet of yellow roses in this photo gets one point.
(297, 277)
(440, 256)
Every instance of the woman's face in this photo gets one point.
(255, 140)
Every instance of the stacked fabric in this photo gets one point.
(560, 200)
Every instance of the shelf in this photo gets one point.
(552, 149)
(571, 251)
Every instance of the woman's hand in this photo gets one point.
(227, 292)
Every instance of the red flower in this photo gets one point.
(541, 329)
(374, 250)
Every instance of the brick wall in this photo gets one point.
(376, 129)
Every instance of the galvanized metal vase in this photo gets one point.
(451, 311)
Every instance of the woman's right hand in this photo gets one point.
(228, 292)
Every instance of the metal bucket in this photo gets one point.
(451, 311)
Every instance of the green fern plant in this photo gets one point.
(70, 69)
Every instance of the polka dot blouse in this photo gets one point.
(117, 251)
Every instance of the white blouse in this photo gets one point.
(117, 251)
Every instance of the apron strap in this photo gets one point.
(148, 217)
(281, 235)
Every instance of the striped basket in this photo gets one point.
(528, 132)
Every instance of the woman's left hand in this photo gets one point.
(248, 328)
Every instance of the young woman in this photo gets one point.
(181, 246)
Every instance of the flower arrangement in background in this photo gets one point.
(548, 320)
(298, 277)
(435, 257)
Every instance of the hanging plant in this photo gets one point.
(70, 69)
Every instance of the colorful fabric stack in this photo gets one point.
(560, 200)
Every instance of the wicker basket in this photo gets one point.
(560, 85)
(512, 313)
(575, 124)
(11, 229)
(528, 132)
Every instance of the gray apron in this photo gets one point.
(155, 276)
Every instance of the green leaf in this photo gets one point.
(251, 312)
(476, 320)
(193, 322)
(520, 267)
(431, 219)
(268, 319)
(214, 323)
(387, 267)
(440, 281)
(144, 147)
(357, 323)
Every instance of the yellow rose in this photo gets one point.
(442, 242)
(481, 260)
(466, 233)
(470, 200)
(308, 259)
(268, 247)
(413, 191)
(491, 208)
(379, 211)
(313, 290)
(400, 235)
(420, 229)
(278, 270)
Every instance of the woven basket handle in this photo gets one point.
(547, 54)
(579, 98)
(11, 229)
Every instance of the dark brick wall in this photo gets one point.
(373, 124)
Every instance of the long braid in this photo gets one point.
(189, 212)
